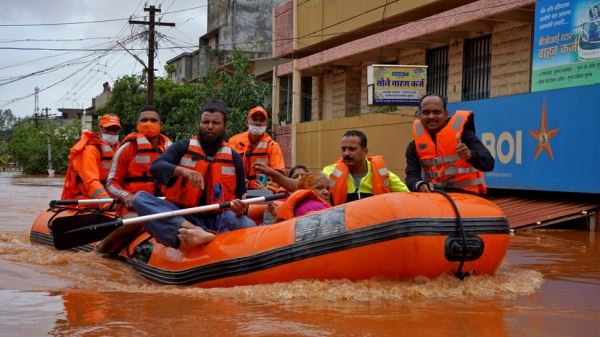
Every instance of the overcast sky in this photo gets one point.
(70, 78)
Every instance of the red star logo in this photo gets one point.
(543, 136)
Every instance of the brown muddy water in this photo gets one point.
(548, 285)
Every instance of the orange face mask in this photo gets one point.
(149, 129)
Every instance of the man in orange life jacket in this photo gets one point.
(130, 172)
(90, 159)
(256, 146)
(356, 175)
(445, 154)
(199, 171)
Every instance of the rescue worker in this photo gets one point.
(90, 159)
(256, 146)
(130, 172)
(356, 175)
(445, 153)
(199, 171)
(130, 169)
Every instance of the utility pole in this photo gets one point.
(150, 69)
(50, 170)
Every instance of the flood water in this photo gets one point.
(548, 285)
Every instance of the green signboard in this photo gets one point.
(566, 49)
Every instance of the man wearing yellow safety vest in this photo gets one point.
(445, 154)
(356, 175)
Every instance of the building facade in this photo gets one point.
(481, 55)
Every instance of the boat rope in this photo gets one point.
(459, 224)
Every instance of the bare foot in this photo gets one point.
(192, 235)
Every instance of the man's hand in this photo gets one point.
(194, 177)
(425, 187)
(238, 207)
(128, 201)
(264, 169)
(463, 151)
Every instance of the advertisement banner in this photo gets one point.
(566, 44)
(396, 84)
(546, 141)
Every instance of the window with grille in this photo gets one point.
(477, 69)
(437, 71)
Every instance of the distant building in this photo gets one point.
(242, 24)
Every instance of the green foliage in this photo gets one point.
(7, 121)
(128, 96)
(29, 145)
(180, 103)
(238, 88)
(170, 69)
(5, 157)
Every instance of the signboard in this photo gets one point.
(548, 141)
(396, 84)
(566, 48)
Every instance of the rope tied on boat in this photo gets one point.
(459, 224)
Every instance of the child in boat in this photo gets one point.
(311, 194)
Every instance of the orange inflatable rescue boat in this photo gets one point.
(395, 236)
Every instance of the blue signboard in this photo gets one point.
(548, 140)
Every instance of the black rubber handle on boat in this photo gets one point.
(63, 202)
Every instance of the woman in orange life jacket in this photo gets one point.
(130, 171)
(90, 159)
(311, 193)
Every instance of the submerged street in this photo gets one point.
(548, 285)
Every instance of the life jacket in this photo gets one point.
(379, 173)
(441, 164)
(287, 210)
(252, 154)
(218, 173)
(73, 185)
(138, 173)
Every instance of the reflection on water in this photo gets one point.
(28, 313)
(548, 285)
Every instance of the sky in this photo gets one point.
(88, 55)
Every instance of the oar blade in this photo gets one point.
(73, 231)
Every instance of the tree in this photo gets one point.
(179, 104)
(237, 87)
(28, 145)
(7, 121)
(129, 96)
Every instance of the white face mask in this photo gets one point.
(110, 139)
(257, 130)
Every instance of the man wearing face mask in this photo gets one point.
(90, 159)
(130, 172)
(199, 171)
(256, 146)
(130, 169)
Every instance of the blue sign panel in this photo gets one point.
(546, 140)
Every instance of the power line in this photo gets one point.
(92, 21)
(59, 40)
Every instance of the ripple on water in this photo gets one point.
(91, 270)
